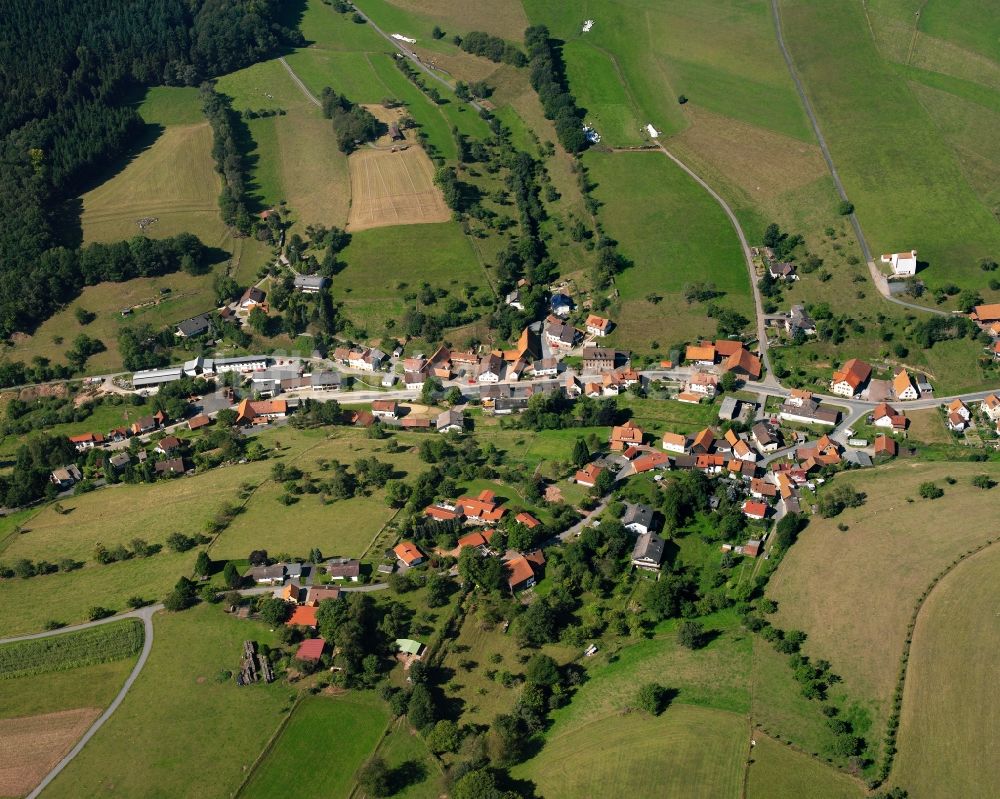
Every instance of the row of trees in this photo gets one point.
(548, 78)
(492, 47)
(228, 157)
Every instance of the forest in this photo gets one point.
(67, 71)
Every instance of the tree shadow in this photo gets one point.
(407, 774)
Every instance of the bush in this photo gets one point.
(652, 697)
(930, 491)
(845, 208)
(691, 634)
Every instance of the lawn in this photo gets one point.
(779, 772)
(868, 116)
(687, 751)
(385, 263)
(158, 739)
(326, 737)
(853, 591)
(675, 234)
(948, 720)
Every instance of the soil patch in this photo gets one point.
(32, 745)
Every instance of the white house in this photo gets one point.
(703, 383)
(675, 442)
(991, 407)
(959, 415)
(414, 381)
(638, 519)
(490, 368)
(902, 385)
(598, 325)
(904, 264)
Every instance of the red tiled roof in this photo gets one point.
(408, 552)
(311, 649)
(303, 615)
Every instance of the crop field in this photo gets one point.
(83, 686)
(393, 188)
(675, 234)
(949, 715)
(31, 746)
(868, 115)
(779, 772)
(687, 751)
(160, 727)
(855, 606)
(328, 738)
(104, 644)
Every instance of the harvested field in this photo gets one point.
(393, 188)
(32, 745)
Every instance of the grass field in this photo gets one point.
(171, 105)
(161, 725)
(507, 20)
(687, 751)
(779, 772)
(85, 686)
(328, 738)
(948, 719)
(393, 188)
(853, 592)
(675, 234)
(868, 116)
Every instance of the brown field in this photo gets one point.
(32, 745)
(393, 188)
(950, 716)
(853, 592)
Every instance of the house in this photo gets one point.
(991, 407)
(703, 442)
(361, 418)
(146, 424)
(904, 264)
(527, 520)
(251, 298)
(638, 518)
(545, 367)
(599, 359)
(343, 569)
(798, 319)
(598, 326)
(294, 593)
(649, 460)
(323, 381)
(476, 540)
(408, 646)
(65, 477)
(572, 387)
(561, 304)
(194, 326)
(986, 314)
(885, 415)
(703, 383)
(523, 569)
(414, 381)
(810, 412)
(782, 271)
(587, 476)
(886, 446)
(765, 437)
(675, 442)
(310, 284)
(303, 616)
(798, 397)
(481, 508)
(356, 358)
(850, 379)
(268, 575)
(86, 441)
(171, 466)
(702, 355)
(561, 335)
(408, 554)
(624, 435)
(119, 461)
(762, 489)
(743, 363)
(515, 300)
(490, 368)
(611, 386)
(754, 510)
(319, 594)
(385, 409)
(167, 444)
(729, 409)
(958, 415)
(198, 422)
(451, 420)
(648, 552)
(260, 412)
(724, 347)
(904, 387)
(311, 650)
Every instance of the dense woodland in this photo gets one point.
(66, 71)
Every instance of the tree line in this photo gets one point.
(67, 74)
(492, 47)
(548, 78)
(226, 153)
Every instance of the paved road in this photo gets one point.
(146, 614)
(577, 528)
(877, 277)
(305, 89)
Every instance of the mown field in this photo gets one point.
(779, 772)
(155, 744)
(675, 234)
(853, 591)
(460, 16)
(949, 715)
(326, 737)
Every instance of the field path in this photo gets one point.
(146, 614)
(298, 82)
(877, 277)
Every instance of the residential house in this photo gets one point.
(294, 593)
(754, 510)
(572, 387)
(527, 520)
(638, 518)
(523, 570)
(86, 441)
(810, 412)
(443, 512)
(959, 416)
(361, 418)
(624, 435)
(798, 319)
(343, 569)
(303, 616)
(194, 326)
(700, 354)
(65, 477)
(599, 359)
(703, 383)
(268, 575)
(251, 298)
(611, 386)
(798, 397)
(649, 459)
(885, 415)
(991, 407)
(703, 442)
(408, 553)
(765, 437)
(904, 264)
(310, 284)
(743, 363)
(479, 541)
(490, 369)
(782, 271)
(310, 650)
(414, 381)
(648, 552)
(198, 422)
(886, 446)
(170, 466)
(356, 359)
(482, 508)
(986, 314)
(515, 300)
(385, 409)
(318, 594)
(146, 424)
(762, 489)
(598, 325)
(904, 387)
(261, 411)
(545, 367)
(587, 476)
(689, 397)
(119, 461)
(675, 442)
(167, 444)
(561, 335)
(850, 379)
(561, 304)
(323, 381)
(451, 420)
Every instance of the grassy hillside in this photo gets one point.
(779, 772)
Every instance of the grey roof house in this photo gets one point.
(638, 518)
(648, 552)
